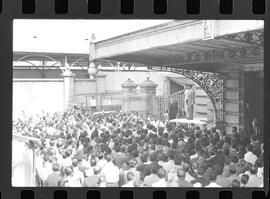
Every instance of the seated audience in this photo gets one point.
(117, 149)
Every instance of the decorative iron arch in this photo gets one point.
(211, 83)
(34, 55)
(24, 59)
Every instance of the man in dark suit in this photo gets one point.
(173, 109)
(54, 179)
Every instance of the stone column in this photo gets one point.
(233, 104)
(129, 92)
(69, 89)
(148, 93)
(100, 89)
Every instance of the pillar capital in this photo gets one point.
(68, 73)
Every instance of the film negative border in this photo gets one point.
(193, 7)
(142, 9)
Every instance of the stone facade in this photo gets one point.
(233, 101)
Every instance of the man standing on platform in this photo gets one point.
(173, 109)
(189, 101)
(93, 104)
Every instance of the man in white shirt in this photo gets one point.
(101, 161)
(162, 182)
(130, 178)
(111, 172)
(47, 169)
(93, 104)
(90, 171)
(77, 174)
(254, 180)
(170, 164)
(250, 156)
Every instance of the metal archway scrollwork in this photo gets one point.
(212, 83)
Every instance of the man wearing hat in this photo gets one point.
(189, 101)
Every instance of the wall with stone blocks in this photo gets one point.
(233, 101)
(202, 104)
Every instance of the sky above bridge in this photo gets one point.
(70, 36)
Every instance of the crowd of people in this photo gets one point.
(117, 149)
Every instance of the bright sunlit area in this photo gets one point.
(70, 36)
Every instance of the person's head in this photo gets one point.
(244, 179)
(143, 158)
(130, 176)
(181, 173)
(219, 169)
(161, 173)
(153, 157)
(253, 170)
(100, 156)
(154, 168)
(56, 167)
(122, 149)
(212, 176)
(200, 171)
(235, 183)
(171, 100)
(52, 143)
(117, 148)
(259, 162)
(109, 158)
(234, 129)
(74, 162)
(133, 163)
(69, 171)
(135, 153)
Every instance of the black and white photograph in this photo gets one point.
(138, 103)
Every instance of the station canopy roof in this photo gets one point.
(206, 45)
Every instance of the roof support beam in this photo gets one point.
(173, 33)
